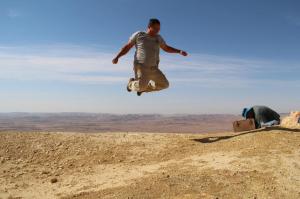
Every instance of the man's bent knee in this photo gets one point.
(166, 84)
(163, 85)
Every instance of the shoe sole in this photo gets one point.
(128, 89)
(139, 93)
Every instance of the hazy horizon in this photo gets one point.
(117, 113)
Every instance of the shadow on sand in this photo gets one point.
(218, 138)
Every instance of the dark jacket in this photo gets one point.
(263, 114)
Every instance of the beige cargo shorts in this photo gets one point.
(148, 79)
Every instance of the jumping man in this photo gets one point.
(148, 77)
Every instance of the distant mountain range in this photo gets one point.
(97, 122)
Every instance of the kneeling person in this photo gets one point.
(262, 115)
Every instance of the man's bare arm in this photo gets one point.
(122, 52)
(170, 49)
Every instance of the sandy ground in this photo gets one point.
(260, 164)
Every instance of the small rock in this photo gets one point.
(45, 172)
(53, 180)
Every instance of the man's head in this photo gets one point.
(248, 113)
(153, 26)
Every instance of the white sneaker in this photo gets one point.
(129, 84)
(134, 85)
(152, 84)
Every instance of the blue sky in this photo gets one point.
(55, 55)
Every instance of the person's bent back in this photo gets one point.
(263, 116)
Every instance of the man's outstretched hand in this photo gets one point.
(183, 53)
(115, 60)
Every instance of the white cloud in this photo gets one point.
(92, 65)
(13, 13)
(61, 63)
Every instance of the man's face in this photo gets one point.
(154, 29)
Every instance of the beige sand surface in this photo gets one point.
(261, 164)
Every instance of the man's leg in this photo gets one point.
(161, 82)
(140, 84)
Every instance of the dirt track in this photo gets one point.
(264, 164)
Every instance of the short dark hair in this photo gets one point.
(153, 21)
